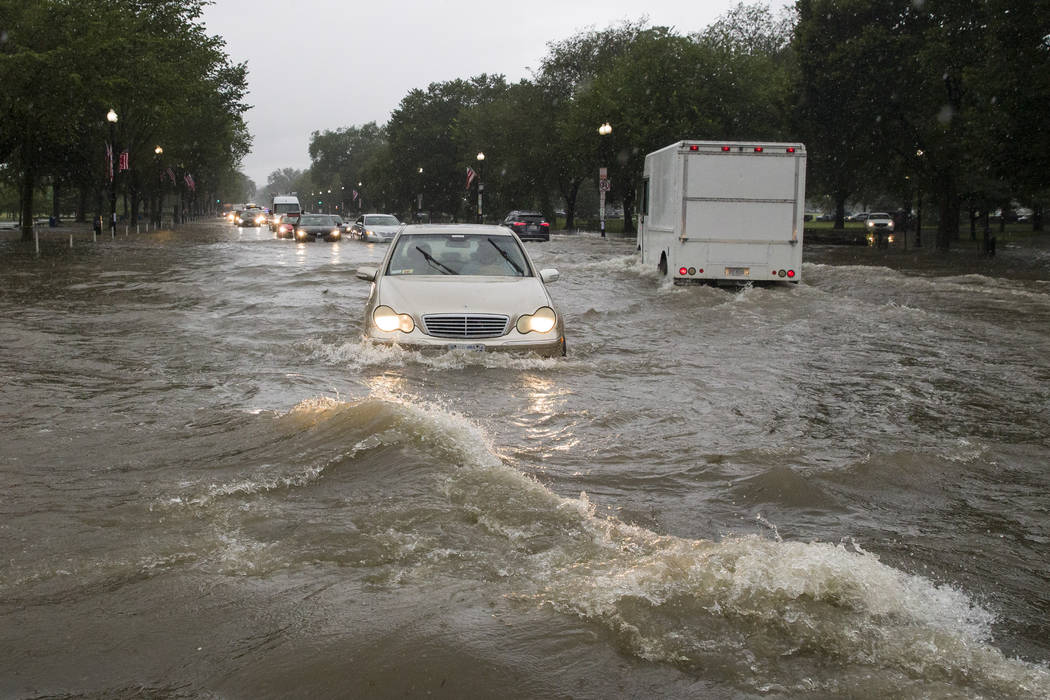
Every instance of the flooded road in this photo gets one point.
(212, 487)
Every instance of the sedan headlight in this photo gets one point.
(301, 234)
(334, 233)
(541, 321)
(386, 319)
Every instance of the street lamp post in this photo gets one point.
(158, 206)
(111, 117)
(919, 153)
(360, 197)
(419, 203)
(481, 186)
(603, 175)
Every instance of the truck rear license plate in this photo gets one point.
(469, 347)
(738, 272)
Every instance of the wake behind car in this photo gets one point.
(314, 226)
(529, 225)
(462, 287)
(375, 228)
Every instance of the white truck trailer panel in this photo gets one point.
(725, 212)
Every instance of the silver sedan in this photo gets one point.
(462, 287)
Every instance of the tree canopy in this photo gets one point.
(65, 63)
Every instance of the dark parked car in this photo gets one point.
(529, 225)
(314, 226)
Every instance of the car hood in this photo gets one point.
(447, 294)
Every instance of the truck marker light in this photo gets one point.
(791, 149)
(725, 149)
(758, 149)
(694, 148)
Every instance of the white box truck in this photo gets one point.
(721, 212)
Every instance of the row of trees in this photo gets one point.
(898, 102)
(64, 64)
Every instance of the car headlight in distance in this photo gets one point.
(386, 319)
(335, 233)
(541, 321)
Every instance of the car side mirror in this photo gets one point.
(549, 275)
(368, 274)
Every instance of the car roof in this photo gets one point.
(445, 229)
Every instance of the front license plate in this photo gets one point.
(738, 272)
(472, 347)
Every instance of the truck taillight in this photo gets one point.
(791, 273)
(683, 271)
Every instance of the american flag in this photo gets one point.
(470, 176)
(189, 182)
(355, 196)
(124, 161)
(171, 174)
(109, 161)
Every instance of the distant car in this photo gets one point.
(879, 225)
(250, 217)
(310, 227)
(879, 221)
(859, 216)
(284, 225)
(462, 287)
(375, 228)
(529, 225)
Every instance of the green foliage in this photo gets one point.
(65, 63)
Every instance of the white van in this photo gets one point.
(283, 204)
(724, 212)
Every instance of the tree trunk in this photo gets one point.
(82, 204)
(570, 204)
(56, 204)
(840, 210)
(949, 207)
(28, 182)
(628, 212)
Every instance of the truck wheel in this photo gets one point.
(662, 267)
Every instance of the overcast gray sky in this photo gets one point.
(327, 64)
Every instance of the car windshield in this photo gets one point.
(458, 254)
(317, 220)
(528, 218)
(382, 220)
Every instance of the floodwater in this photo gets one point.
(211, 487)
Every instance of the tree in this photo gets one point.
(64, 64)
(567, 74)
(426, 160)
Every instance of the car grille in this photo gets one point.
(465, 325)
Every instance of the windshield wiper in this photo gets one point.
(507, 257)
(436, 263)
